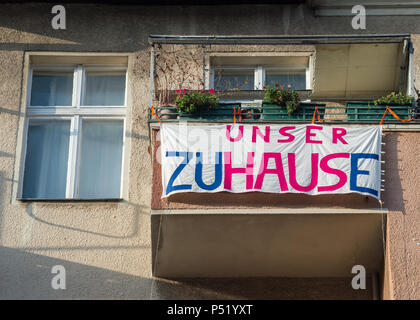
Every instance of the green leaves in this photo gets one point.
(394, 99)
(196, 101)
(288, 98)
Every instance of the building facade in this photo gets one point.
(81, 177)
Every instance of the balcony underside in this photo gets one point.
(266, 245)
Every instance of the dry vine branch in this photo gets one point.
(177, 67)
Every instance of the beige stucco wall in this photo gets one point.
(106, 246)
(403, 223)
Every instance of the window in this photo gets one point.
(245, 78)
(253, 72)
(233, 78)
(296, 78)
(75, 123)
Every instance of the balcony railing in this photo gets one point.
(353, 112)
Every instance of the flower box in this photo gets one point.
(362, 110)
(222, 112)
(305, 112)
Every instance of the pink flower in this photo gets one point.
(181, 95)
(212, 91)
(184, 91)
(178, 90)
(289, 86)
(202, 91)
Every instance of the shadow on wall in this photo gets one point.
(3, 196)
(135, 222)
(120, 28)
(1, 200)
(270, 289)
(393, 195)
(24, 275)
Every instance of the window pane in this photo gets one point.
(46, 159)
(104, 88)
(52, 88)
(225, 79)
(297, 79)
(101, 159)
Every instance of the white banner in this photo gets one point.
(311, 159)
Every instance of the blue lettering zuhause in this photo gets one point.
(217, 172)
(187, 157)
(355, 172)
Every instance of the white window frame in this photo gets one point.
(75, 113)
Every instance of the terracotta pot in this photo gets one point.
(246, 114)
(169, 112)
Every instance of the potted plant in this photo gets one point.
(291, 108)
(200, 104)
(399, 102)
(250, 111)
(166, 110)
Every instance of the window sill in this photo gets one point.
(70, 200)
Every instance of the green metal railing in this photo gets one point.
(353, 112)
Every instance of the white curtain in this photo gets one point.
(104, 89)
(101, 158)
(52, 89)
(46, 159)
(233, 79)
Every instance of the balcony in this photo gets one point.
(355, 112)
(254, 234)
